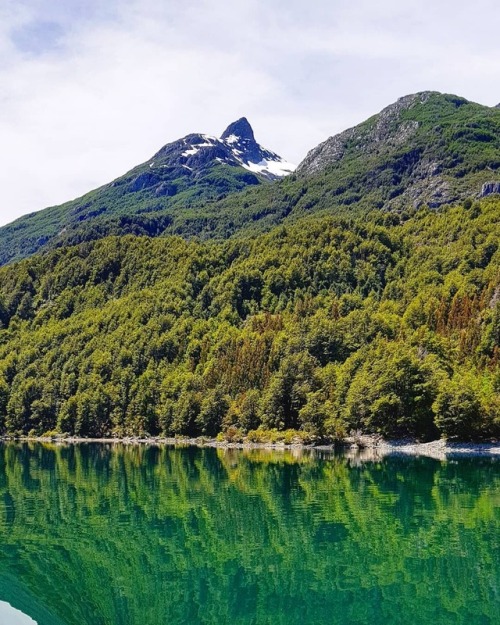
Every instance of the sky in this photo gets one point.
(90, 89)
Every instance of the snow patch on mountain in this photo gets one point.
(191, 152)
(276, 168)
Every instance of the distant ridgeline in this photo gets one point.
(183, 176)
(374, 305)
(425, 149)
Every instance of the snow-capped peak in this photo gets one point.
(236, 147)
(240, 128)
(239, 138)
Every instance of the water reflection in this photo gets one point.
(143, 535)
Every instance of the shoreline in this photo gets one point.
(362, 447)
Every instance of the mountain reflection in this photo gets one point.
(94, 534)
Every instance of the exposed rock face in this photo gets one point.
(240, 128)
(414, 152)
(239, 139)
(495, 298)
(361, 138)
(143, 181)
(489, 188)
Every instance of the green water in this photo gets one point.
(94, 535)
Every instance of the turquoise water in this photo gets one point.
(93, 534)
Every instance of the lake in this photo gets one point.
(96, 534)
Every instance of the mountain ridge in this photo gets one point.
(333, 146)
(194, 168)
(418, 133)
(426, 149)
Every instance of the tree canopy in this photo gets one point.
(387, 324)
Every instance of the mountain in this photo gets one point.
(426, 149)
(372, 305)
(193, 155)
(194, 169)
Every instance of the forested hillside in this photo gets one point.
(388, 324)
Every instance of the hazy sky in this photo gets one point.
(89, 89)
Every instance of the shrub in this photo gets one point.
(458, 409)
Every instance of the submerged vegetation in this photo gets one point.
(387, 324)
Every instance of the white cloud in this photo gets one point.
(101, 89)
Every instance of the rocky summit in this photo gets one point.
(426, 148)
(236, 147)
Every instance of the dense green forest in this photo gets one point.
(386, 324)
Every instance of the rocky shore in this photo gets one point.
(441, 448)
(363, 447)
